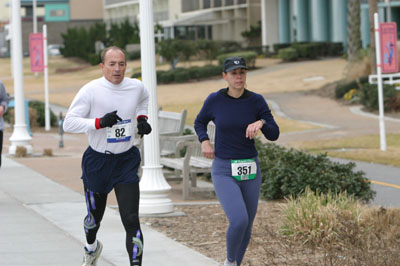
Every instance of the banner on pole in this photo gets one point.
(36, 52)
(388, 38)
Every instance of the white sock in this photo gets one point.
(91, 247)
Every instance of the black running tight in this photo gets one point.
(128, 203)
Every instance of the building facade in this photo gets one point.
(58, 15)
(326, 20)
(192, 19)
(283, 21)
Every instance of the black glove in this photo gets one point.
(143, 127)
(109, 119)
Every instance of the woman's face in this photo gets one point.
(236, 78)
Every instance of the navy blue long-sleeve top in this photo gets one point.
(231, 117)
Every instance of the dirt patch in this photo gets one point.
(70, 69)
(203, 229)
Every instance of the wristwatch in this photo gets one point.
(263, 121)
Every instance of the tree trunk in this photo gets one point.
(373, 8)
(353, 29)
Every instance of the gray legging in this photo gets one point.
(239, 199)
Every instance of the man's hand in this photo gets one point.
(109, 119)
(1, 110)
(207, 149)
(143, 127)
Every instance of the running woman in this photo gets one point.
(108, 109)
(239, 115)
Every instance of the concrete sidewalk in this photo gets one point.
(41, 225)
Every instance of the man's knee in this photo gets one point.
(131, 221)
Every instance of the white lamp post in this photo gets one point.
(153, 186)
(20, 136)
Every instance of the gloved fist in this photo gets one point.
(143, 127)
(109, 119)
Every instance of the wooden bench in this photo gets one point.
(192, 163)
(171, 123)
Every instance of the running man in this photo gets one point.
(108, 109)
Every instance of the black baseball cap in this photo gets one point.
(233, 63)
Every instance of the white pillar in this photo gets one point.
(34, 20)
(264, 42)
(34, 16)
(153, 186)
(46, 81)
(10, 31)
(382, 131)
(20, 136)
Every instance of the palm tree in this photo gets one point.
(353, 29)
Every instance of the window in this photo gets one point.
(190, 5)
(201, 32)
(241, 2)
(217, 3)
(228, 2)
(57, 13)
(206, 3)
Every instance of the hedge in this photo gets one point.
(310, 50)
(287, 172)
(39, 116)
(343, 87)
(248, 56)
(185, 74)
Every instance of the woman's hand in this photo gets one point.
(252, 129)
(207, 149)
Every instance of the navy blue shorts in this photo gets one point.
(102, 171)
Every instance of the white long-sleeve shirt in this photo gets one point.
(98, 97)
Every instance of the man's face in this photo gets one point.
(114, 66)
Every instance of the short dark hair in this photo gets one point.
(103, 53)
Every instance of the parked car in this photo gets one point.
(54, 49)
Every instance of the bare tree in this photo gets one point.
(373, 8)
(353, 29)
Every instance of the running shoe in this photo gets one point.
(227, 263)
(90, 258)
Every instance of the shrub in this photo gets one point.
(335, 49)
(184, 74)
(279, 46)
(181, 75)
(207, 49)
(347, 232)
(36, 115)
(369, 96)
(288, 172)
(133, 55)
(165, 76)
(343, 87)
(228, 47)
(288, 54)
(248, 56)
(39, 107)
(313, 218)
(94, 59)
